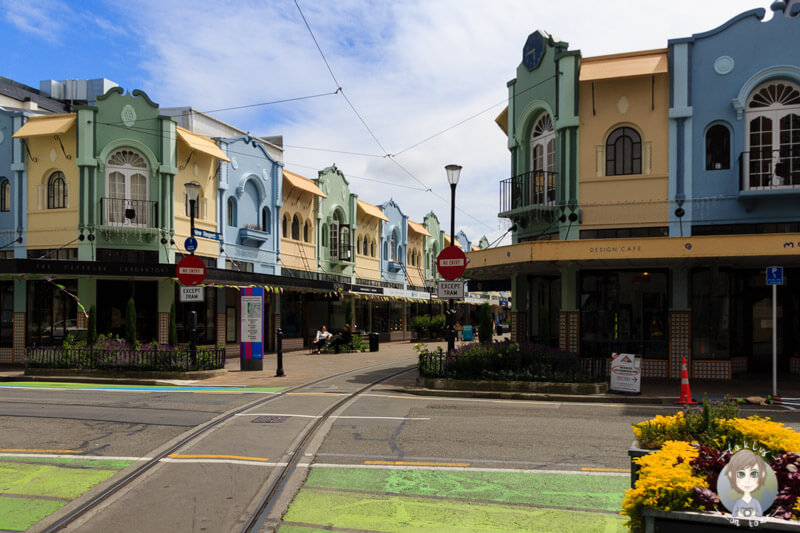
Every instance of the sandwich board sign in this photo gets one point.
(626, 373)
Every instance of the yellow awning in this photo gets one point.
(46, 125)
(201, 144)
(419, 228)
(447, 241)
(502, 120)
(305, 184)
(371, 210)
(624, 65)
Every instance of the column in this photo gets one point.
(569, 331)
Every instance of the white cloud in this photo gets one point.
(410, 67)
(45, 19)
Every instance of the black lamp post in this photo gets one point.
(192, 193)
(453, 173)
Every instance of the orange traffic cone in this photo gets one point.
(686, 393)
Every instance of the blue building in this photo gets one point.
(735, 170)
(250, 196)
(394, 241)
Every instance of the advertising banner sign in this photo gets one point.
(252, 323)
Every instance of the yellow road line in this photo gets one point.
(202, 456)
(593, 469)
(217, 392)
(20, 450)
(414, 463)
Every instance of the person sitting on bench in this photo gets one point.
(321, 340)
(344, 338)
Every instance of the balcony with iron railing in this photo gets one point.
(341, 253)
(766, 171)
(125, 212)
(536, 188)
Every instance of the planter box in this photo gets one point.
(691, 522)
(541, 387)
(633, 452)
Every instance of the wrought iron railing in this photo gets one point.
(341, 252)
(126, 212)
(145, 358)
(767, 169)
(534, 188)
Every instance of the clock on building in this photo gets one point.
(533, 51)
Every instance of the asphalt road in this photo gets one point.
(386, 461)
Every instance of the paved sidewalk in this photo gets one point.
(302, 367)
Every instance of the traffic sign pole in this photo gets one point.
(775, 278)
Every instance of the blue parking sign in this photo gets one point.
(774, 275)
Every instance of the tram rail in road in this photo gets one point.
(278, 483)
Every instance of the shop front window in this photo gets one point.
(624, 311)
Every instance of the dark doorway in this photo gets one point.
(112, 302)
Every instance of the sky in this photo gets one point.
(389, 91)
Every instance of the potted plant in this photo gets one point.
(686, 474)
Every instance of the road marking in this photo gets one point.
(211, 456)
(415, 463)
(597, 469)
(221, 461)
(322, 394)
(337, 416)
(61, 456)
(462, 469)
(218, 392)
(22, 450)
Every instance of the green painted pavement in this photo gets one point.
(32, 478)
(406, 513)
(594, 492)
(18, 514)
(427, 500)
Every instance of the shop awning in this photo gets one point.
(502, 120)
(547, 257)
(371, 210)
(304, 184)
(201, 144)
(418, 228)
(46, 125)
(447, 241)
(624, 65)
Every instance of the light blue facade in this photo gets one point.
(463, 240)
(714, 76)
(250, 198)
(394, 243)
(11, 181)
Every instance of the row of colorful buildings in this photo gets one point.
(649, 191)
(94, 211)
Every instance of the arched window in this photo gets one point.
(306, 232)
(56, 191)
(285, 226)
(231, 212)
(773, 135)
(385, 251)
(358, 244)
(623, 152)
(718, 148)
(266, 220)
(295, 228)
(543, 161)
(334, 236)
(324, 234)
(5, 195)
(372, 249)
(127, 189)
(393, 246)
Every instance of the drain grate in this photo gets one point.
(268, 419)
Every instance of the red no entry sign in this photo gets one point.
(451, 262)
(191, 270)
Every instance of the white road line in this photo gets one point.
(464, 469)
(222, 461)
(75, 456)
(337, 416)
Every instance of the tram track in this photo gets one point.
(275, 487)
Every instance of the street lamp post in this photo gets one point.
(192, 194)
(453, 173)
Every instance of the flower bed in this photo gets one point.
(691, 450)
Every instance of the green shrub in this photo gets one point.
(91, 326)
(130, 322)
(172, 338)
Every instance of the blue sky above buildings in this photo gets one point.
(411, 69)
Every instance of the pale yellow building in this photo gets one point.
(298, 223)
(368, 236)
(415, 257)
